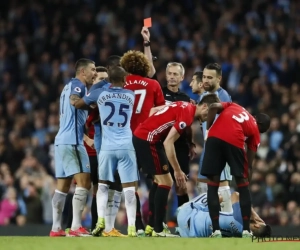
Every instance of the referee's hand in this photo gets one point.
(180, 178)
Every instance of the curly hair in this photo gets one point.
(136, 63)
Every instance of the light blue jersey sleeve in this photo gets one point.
(92, 96)
(71, 120)
(99, 85)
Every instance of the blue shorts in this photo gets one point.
(122, 160)
(225, 175)
(70, 160)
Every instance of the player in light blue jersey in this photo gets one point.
(194, 220)
(211, 78)
(71, 159)
(117, 152)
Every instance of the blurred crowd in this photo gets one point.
(257, 43)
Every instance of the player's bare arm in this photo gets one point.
(74, 99)
(147, 51)
(171, 155)
(214, 108)
(79, 104)
(189, 136)
(155, 109)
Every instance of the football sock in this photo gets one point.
(213, 204)
(245, 204)
(182, 199)
(151, 204)
(226, 205)
(102, 197)
(94, 212)
(69, 200)
(58, 203)
(139, 225)
(130, 204)
(109, 218)
(161, 200)
(79, 202)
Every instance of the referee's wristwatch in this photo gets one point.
(146, 43)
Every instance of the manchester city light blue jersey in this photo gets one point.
(71, 120)
(115, 107)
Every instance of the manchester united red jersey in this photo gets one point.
(236, 126)
(93, 115)
(148, 94)
(156, 127)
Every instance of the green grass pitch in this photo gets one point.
(101, 243)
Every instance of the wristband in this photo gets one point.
(146, 43)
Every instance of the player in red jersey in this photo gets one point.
(226, 138)
(148, 93)
(153, 141)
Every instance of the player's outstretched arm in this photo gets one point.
(171, 155)
(147, 51)
(214, 108)
(155, 109)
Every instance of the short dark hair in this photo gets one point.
(82, 63)
(263, 231)
(209, 99)
(198, 75)
(215, 66)
(116, 74)
(101, 69)
(113, 61)
(263, 122)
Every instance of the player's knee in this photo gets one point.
(235, 197)
(129, 193)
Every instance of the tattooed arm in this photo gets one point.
(74, 99)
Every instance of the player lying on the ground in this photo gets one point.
(194, 220)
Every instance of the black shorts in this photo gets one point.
(182, 155)
(151, 157)
(218, 153)
(94, 169)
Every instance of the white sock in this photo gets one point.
(226, 205)
(79, 202)
(202, 187)
(109, 223)
(130, 204)
(58, 204)
(101, 198)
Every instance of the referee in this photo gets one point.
(184, 145)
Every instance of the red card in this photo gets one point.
(148, 22)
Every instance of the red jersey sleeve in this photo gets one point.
(159, 96)
(253, 142)
(226, 104)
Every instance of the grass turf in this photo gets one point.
(84, 243)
